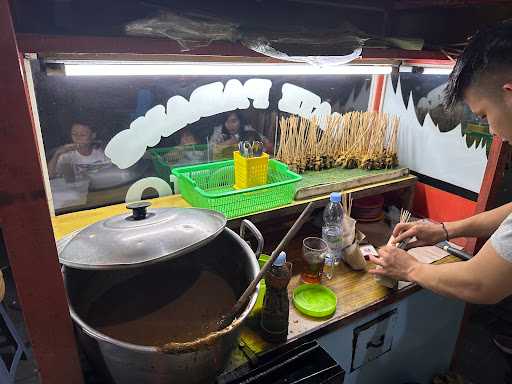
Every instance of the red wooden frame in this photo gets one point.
(499, 155)
(378, 93)
(46, 44)
(26, 226)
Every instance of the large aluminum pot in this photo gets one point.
(124, 363)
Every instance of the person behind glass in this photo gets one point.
(84, 149)
(233, 130)
(187, 137)
(189, 142)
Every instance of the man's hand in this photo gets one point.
(395, 263)
(426, 233)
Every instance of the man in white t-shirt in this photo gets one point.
(482, 78)
(83, 151)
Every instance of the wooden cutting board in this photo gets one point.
(318, 183)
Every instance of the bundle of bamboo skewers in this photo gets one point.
(347, 204)
(365, 140)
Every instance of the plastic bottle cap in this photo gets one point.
(280, 260)
(335, 197)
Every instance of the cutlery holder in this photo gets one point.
(250, 171)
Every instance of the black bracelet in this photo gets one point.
(445, 231)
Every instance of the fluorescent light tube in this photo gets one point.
(216, 69)
(436, 71)
(426, 70)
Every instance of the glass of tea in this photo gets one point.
(314, 251)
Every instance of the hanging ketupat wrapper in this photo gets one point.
(351, 253)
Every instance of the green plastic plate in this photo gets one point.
(314, 300)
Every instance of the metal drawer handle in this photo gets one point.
(378, 344)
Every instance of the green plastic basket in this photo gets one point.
(211, 186)
(165, 159)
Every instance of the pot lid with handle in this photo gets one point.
(143, 237)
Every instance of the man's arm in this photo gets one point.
(482, 225)
(485, 279)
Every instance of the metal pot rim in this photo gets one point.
(90, 331)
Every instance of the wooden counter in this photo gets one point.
(358, 294)
(423, 341)
(69, 222)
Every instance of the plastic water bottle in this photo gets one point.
(332, 231)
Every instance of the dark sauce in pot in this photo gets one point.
(161, 306)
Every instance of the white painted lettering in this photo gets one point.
(258, 90)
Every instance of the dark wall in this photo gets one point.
(438, 25)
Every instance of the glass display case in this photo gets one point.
(83, 118)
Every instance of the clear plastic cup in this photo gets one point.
(314, 251)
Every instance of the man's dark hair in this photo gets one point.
(488, 48)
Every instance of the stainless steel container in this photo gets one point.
(124, 363)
